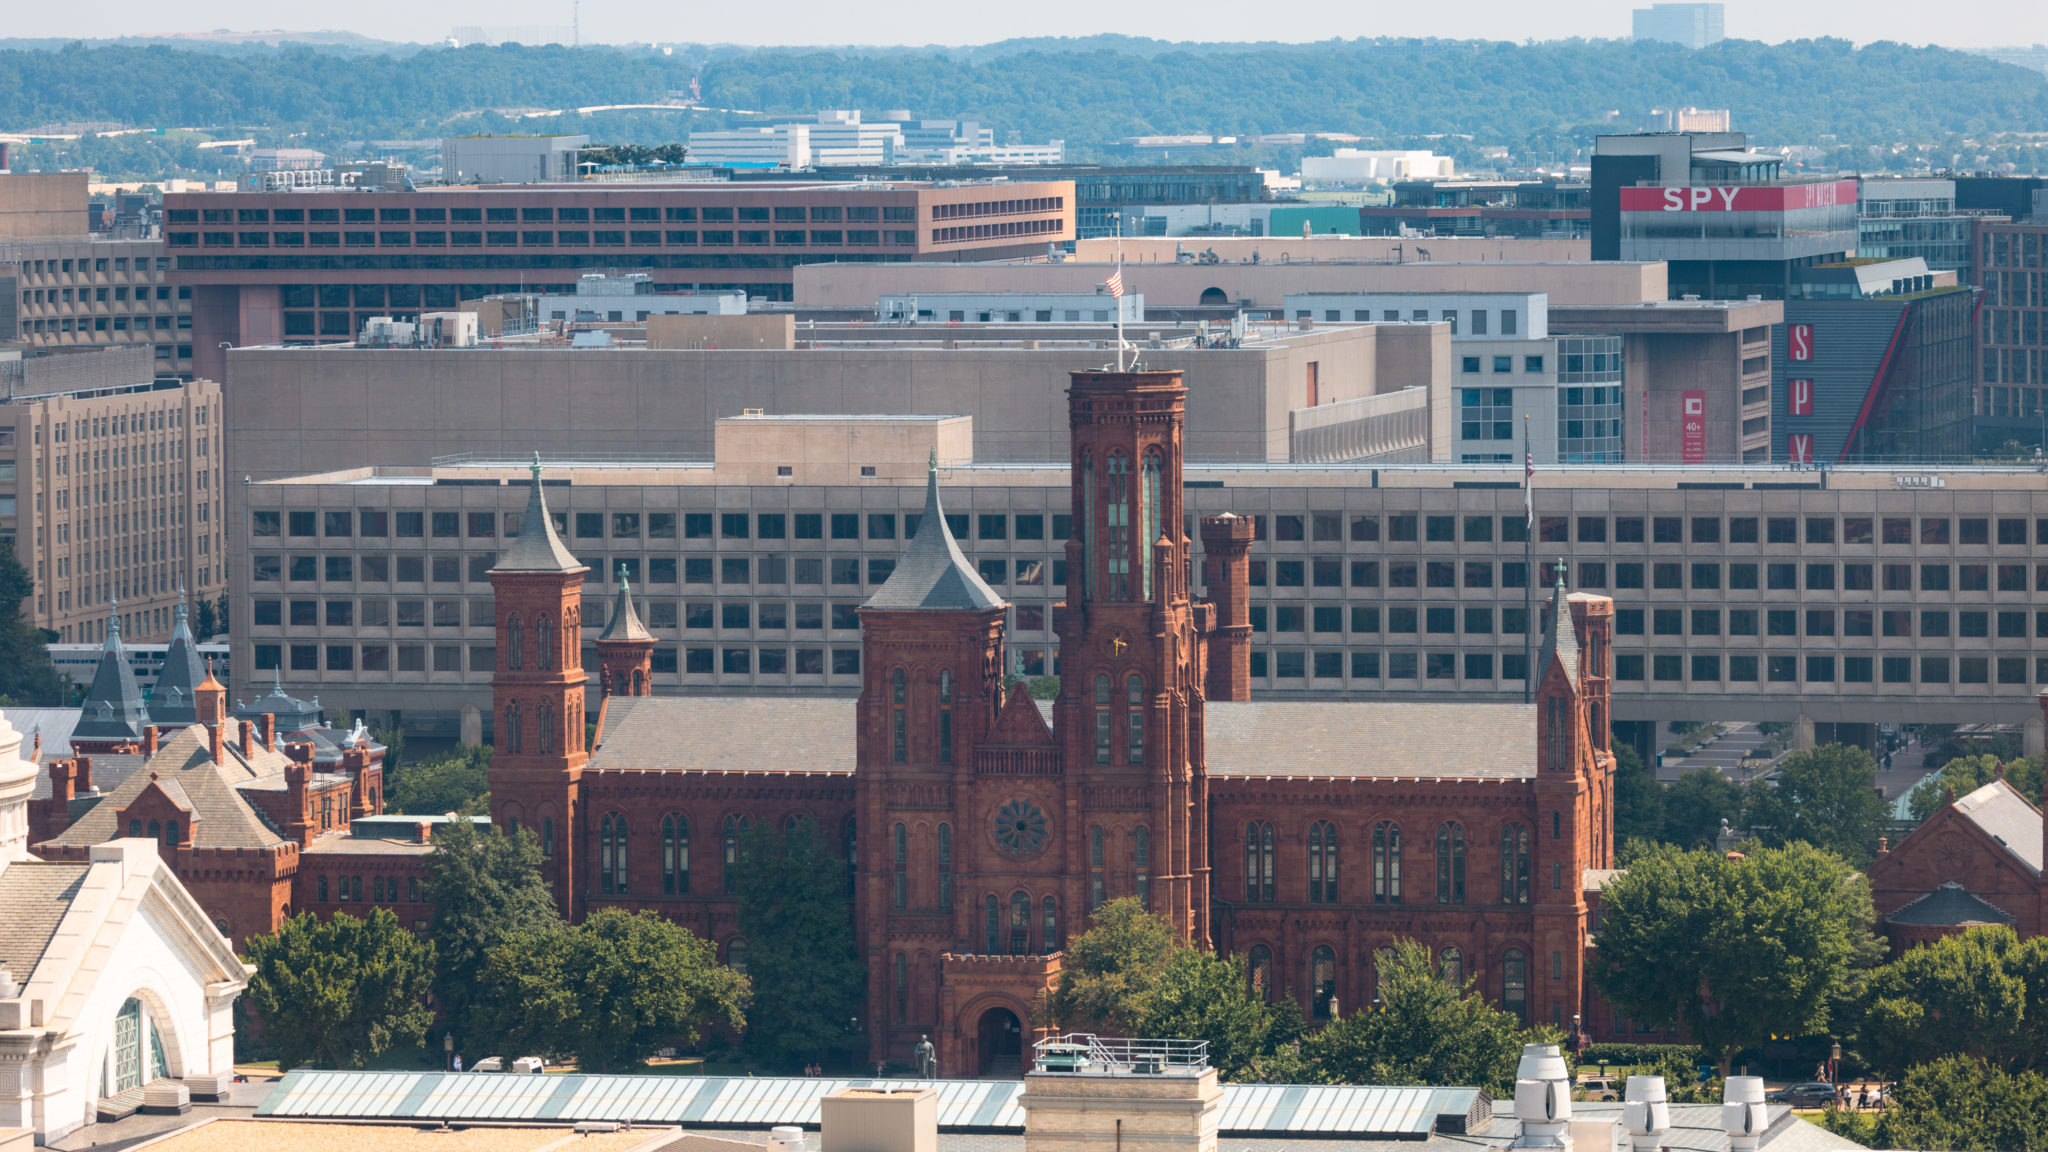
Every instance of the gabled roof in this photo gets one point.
(1949, 906)
(726, 734)
(933, 574)
(221, 817)
(1284, 738)
(537, 548)
(624, 626)
(1020, 722)
(171, 701)
(113, 709)
(170, 790)
(2004, 815)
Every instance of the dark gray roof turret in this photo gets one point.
(171, 702)
(932, 574)
(537, 548)
(113, 710)
(625, 623)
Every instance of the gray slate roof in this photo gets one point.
(222, 819)
(1561, 638)
(1949, 906)
(171, 701)
(2006, 816)
(537, 548)
(726, 734)
(113, 709)
(33, 899)
(1276, 738)
(625, 623)
(933, 574)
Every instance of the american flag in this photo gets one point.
(1116, 283)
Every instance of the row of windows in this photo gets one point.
(449, 568)
(695, 615)
(383, 890)
(600, 238)
(1323, 872)
(1790, 668)
(1819, 622)
(483, 658)
(379, 523)
(1322, 976)
(530, 214)
(1335, 572)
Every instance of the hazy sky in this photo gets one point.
(1960, 23)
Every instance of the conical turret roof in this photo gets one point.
(624, 626)
(537, 548)
(171, 701)
(1561, 637)
(113, 710)
(933, 574)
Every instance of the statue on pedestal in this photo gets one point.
(927, 1059)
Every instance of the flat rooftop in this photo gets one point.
(228, 1134)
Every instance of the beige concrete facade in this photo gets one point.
(761, 332)
(1108, 1113)
(100, 292)
(890, 450)
(115, 494)
(1264, 285)
(1721, 348)
(34, 205)
(1340, 249)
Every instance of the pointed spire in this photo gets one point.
(538, 548)
(933, 572)
(113, 641)
(113, 707)
(171, 700)
(1561, 638)
(625, 622)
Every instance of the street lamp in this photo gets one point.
(1834, 1061)
(448, 1050)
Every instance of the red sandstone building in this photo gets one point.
(982, 828)
(1976, 861)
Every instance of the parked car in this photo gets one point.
(524, 1065)
(1598, 1088)
(1812, 1094)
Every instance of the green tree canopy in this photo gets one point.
(1696, 804)
(1965, 774)
(27, 677)
(483, 885)
(802, 957)
(1638, 798)
(1965, 1105)
(1426, 1030)
(341, 993)
(1738, 950)
(1824, 796)
(1983, 994)
(1110, 972)
(610, 991)
(457, 780)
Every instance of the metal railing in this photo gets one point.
(1084, 1053)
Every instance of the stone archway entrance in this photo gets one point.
(1002, 1043)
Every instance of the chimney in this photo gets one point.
(1646, 1112)
(1226, 544)
(62, 783)
(299, 753)
(269, 722)
(297, 776)
(248, 748)
(149, 738)
(1743, 1116)
(84, 775)
(1543, 1099)
(213, 739)
(422, 831)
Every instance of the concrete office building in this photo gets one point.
(1105, 196)
(1011, 308)
(299, 266)
(1693, 25)
(100, 292)
(602, 298)
(40, 205)
(409, 407)
(2012, 334)
(511, 159)
(110, 490)
(1852, 598)
(1546, 208)
(1696, 376)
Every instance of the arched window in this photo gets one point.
(1556, 876)
(1096, 893)
(547, 837)
(1049, 931)
(1258, 863)
(900, 845)
(156, 830)
(171, 833)
(736, 956)
(544, 643)
(1088, 529)
(851, 843)
(1259, 972)
(135, 828)
(1322, 980)
(1141, 864)
(611, 865)
(515, 643)
(1102, 718)
(734, 826)
(1134, 719)
(675, 855)
(514, 741)
(1322, 863)
(1450, 863)
(1514, 864)
(1452, 966)
(320, 892)
(544, 727)
(1116, 522)
(1148, 504)
(945, 715)
(1020, 924)
(1514, 984)
(945, 867)
(1386, 863)
(899, 718)
(992, 914)
(1556, 734)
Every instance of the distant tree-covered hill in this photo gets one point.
(1084, 91)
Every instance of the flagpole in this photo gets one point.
(1528, 563)
(1118, 300)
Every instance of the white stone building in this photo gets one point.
(112, 979)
